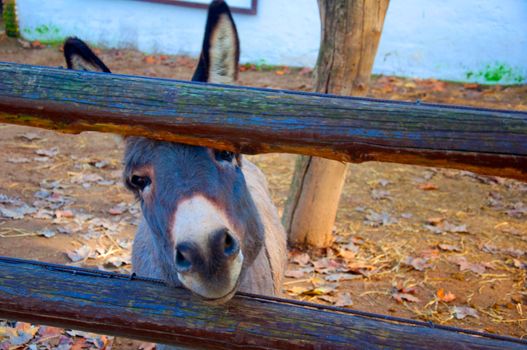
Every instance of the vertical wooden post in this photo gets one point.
(351, 31)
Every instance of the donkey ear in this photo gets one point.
(80, 57)
(218, 62)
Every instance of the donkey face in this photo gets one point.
(204, 224)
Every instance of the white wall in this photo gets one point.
(466, 40)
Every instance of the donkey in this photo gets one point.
(208, 222)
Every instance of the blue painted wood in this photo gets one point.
(254, 120)
(113, 304)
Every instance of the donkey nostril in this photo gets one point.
(182, 262)
(231, 246)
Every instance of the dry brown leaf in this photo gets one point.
(325, 289)
(449, 247)
(328, 265)
(420, 264)
(344, 300)
(299, 257)
(327, 299)
(297, 290)
(64, 214)
(460, 312)
(337, 277)
(400, 297)
(81, 253)
(428, 186)
(464, 265)
(346, 254)
(79, 344)
(298, 273)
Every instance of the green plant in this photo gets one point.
(10, 18)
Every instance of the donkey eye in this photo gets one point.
(224, 156)
(140, 182)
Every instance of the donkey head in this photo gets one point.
(205, 227)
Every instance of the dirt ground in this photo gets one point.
(433, 244)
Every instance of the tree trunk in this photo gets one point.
(351, 31)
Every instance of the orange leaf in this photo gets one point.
(446, 297)
(279, 72)
(150, 60)
(428, 186)
(471, 86)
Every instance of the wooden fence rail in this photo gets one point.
(253, 120)
(113, 304)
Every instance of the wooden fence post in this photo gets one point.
(351, 31)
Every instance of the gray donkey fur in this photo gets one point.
(208, 222)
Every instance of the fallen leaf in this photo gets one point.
(517, 210)
(344, 300)
(435, 220)
(327, 298)
(299, 258)
(445, 226)
(99, 164)
(117, 261)
(380, 194)
(379, 219)
(471, 86)
(16, 212)
(78, 344)
(64, 214)
(518, 264)
(427, 186)
(328, 265)
(51, 152)
(460, 312)
(297, 290)
(417, 263)
(449, 247)
(400, 297)
(346, 254)
(30, 136)
(118, 209)
(464, 265)
(446, 297)
(18, 160)
(337, 277)
(325, 289)
(47, 233)
(24, 333)
(361, 268)
(299, 273)
(81, 253)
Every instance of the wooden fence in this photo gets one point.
(145, 309)
(252, 121)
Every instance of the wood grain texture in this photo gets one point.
(351, 31)
(253, 120)
(114, 305)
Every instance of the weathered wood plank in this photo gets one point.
(113, 304)
(253, 120)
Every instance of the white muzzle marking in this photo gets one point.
(195, 219)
